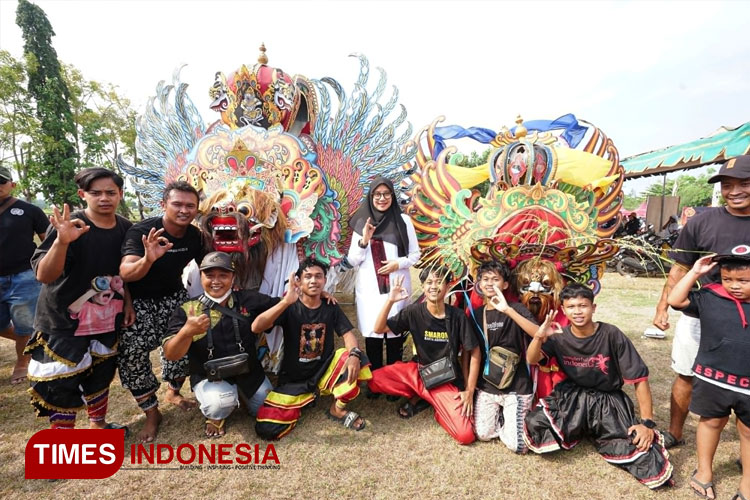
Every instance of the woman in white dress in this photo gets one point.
(384, 246)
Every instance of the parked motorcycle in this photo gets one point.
(643, 255)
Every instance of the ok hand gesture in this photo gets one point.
(398, 292)
(549, 327)
(155, 245)
(292, 293)
(498, 301)
(67, 230)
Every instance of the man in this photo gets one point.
(598, 359)
(81, 305)
(711, 231)
(155, 252)
(633, 225)
(438, 331)
(19, 289)
(311, 365)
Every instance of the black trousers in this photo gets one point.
(374, 347)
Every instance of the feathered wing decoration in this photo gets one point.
(356, 142)
(546, 200)
(166, 132)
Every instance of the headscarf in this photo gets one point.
(389, 226)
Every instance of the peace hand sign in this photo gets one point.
(67, 230)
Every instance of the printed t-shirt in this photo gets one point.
(604, 361)
(308, 338)
(165, 276)
(430, 336)
(504, 332)
(18, 224)
(92, 266)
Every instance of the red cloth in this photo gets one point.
(402, 379)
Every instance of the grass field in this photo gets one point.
(391, 458)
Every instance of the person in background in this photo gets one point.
(384, 247)
(19, 289)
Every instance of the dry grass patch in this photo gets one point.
(391, 458)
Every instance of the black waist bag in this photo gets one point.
(227, 366)
(441, 371)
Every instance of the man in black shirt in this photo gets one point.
(154, 253)
(19, 289)
(311, 363)
(438, 331)
(81, 305)
(711, 231)
(633, 225)
(597, 359)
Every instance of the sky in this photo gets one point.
(649, 74)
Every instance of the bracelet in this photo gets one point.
(356, 352)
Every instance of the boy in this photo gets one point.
(499, 413)
(438, 330)
(311, 365)
(597, 359)
(78, 316)
(722, 374)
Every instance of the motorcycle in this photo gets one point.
(643, 255)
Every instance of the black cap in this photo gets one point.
(740, 252)
(5, 174)
(738, 168)
(221, 260)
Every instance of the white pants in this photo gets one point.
(501, 415)
(687, 339)
(219, 399)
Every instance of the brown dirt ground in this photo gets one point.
(391, 458)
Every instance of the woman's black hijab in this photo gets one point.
(389, 226)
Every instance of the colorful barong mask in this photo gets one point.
(538, 284)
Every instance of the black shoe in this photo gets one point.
(670, 441)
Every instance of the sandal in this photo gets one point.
(670, 441)
(348, 420)
(738, 496)
(219, 428)
(113, 425)
(704, 486)
(408, 410)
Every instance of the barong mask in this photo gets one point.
(538, 284)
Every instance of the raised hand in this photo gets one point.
(703, 265)
(548, 327)
(155, 245)
(498, 301)
(195, 325)
(367, 232)
(67, 230)
(292, 292)
(398, 292)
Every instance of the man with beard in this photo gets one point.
(711, 231)
(154, 254)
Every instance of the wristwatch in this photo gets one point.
(648, 423)
(361, 245)
(356, 352)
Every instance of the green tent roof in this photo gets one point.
(722, 145)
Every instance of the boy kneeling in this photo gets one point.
(721, 367)
(597, 359)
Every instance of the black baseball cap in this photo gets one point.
(221, 260)
(737, 167)
(5, 174)
(740, 252)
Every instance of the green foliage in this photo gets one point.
(693, 191)
(472, 161)
(56, 162)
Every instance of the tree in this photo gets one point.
(693, 191)
(18, 126)
(57, 161)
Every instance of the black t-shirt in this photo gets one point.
(92, 266)
(249, 304)
(18, 224)
(714, 230)
(504, 332)
(724, 348)
(308, 339)
(604, 361)
(430, 336)
(165, 276)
